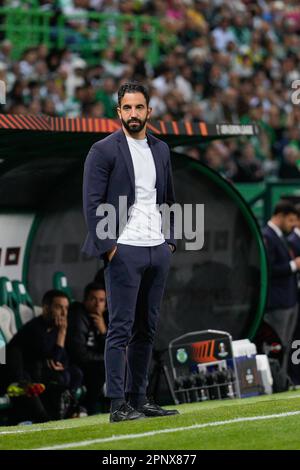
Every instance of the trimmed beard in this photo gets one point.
(135, 129)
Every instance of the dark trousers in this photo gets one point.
(135, 279)
(94, 378)
(283, 321)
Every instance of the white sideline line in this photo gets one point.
(70, 445)
(78, 424)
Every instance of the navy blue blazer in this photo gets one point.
(282, 280)
(109, 174)
(294, 242)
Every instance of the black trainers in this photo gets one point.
(124, 413)
(152, 410)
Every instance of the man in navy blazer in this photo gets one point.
(127, 176)
(294, 236)
(294, 243)
(281, 313)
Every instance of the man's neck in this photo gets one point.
(135, 135)
(272, 223)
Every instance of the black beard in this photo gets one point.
(137, 128)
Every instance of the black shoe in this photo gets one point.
(124, 413)
(150, 409)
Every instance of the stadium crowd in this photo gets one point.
(233, 61)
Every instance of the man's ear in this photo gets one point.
(119, 111)
(149, 113)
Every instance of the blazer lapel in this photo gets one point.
(158, 166)
(124, 149)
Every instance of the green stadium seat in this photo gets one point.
(22, 294)
(9, 298)
(25, 304)
(7, 323)
(4, 399)
(37, 310)
(2, 346)
(60, 282)
(26, 301)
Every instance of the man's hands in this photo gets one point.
(99, 322)
(61, 322)
(111, 253)
(297, 261)
(54, 365)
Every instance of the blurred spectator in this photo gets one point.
(37, 354)
(212, 108)
(106, 96)
(249, 168)
(222, 34)
(290, 167)
(86, 340)
(217, 157)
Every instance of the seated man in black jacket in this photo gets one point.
(86, 340)
(37, 353)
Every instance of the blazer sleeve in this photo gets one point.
(170, 200)
(294, 245)
(97, 168)
(276, 268)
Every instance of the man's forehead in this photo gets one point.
(97, 292)
(61, 300)
(133, 99)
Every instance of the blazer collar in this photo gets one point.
(122, 138)
(275, 229)
(124, 148)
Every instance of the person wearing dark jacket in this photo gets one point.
(282, 308)
(37, 354)
(294, 243)
(86, 341)
(128, 177)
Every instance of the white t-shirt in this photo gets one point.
(144, 226)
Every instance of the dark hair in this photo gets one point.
(90, 287)
(50, 295)
(285, 207)
(133, 87)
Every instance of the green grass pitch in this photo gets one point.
(266, 422)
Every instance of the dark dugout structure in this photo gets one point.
(222, 286)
